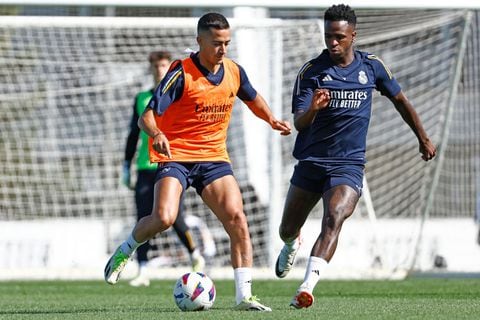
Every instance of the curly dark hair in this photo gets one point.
(341, 12)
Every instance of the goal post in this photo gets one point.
(443, 141)
(431, 59)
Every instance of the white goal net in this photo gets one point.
(66, 89)
(415, 215)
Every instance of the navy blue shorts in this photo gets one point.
(196, 174)
(320, 177)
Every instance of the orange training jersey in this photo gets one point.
(196, 124)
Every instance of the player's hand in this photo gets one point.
(282, 126)
(320, 99)
(427, 149)
(161, 144)
(126, 174)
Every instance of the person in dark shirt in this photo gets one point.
(331, 104)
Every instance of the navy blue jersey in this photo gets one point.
(170, 88)
(339, 132)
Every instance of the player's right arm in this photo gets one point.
(148, 124)
(307, 100)
(168, 91)
(304, 118)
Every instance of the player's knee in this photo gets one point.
(163, 219)
(337, 215)
(236, 222)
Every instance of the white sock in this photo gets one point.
(315, 268)
(243, 283)
(142, 268)
(130, 245)
(195, 254)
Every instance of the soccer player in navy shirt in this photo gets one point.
(331, 104)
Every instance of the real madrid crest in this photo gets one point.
(362, 77)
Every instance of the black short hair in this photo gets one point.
(212, 20)
(159, 55)
(341, 12)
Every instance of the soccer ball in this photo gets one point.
(194, 291)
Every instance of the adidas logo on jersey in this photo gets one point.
(327, 78)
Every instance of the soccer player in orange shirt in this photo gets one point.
(146, 173)
(187, 120)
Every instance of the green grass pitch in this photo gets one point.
(408, 299)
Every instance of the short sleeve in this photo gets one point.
(385, 81)
(169, 90)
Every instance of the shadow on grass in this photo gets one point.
(86, 311)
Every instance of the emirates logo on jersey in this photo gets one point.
(362, 77)
(214, 112)
(348, 99)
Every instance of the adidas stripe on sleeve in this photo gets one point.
(169, 90)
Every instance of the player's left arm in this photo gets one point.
(389, 87)
(410, 116)
(257, 104)
(260, 109)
